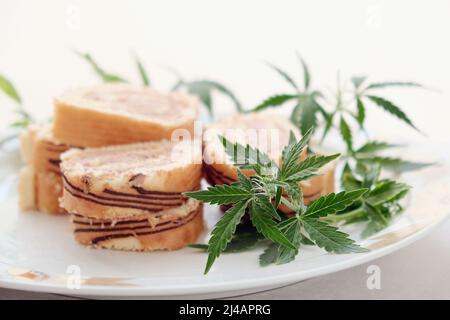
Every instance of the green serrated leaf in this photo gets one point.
(269, 255)
(278, 197)
(375, 146)
(394, 84)
(223, 232)
(142, 72)
(395, 164)
(386, 191)
(277, 254)
(332, 203)
(225, 91)
(104, 76)
(291, 155)
(348, 180)
(262, 203)
(275, 101)
(328, 125)
(330, 238)
(244, 181)
(293, 234)
(245, 156)
(308, 167)
(8, 88)
(392, 109)
(306, 74)
(308, 118)
(361, 114)
(346, 133)
(264, 223)
(221, 194)
(242, 241)
(203, 92)
(284, 75)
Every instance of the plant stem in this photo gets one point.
(356, 213)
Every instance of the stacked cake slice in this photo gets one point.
(130, 197)
(40, 183)
(111, 114)
(123, 183)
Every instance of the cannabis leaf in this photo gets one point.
(275, 101)
(99, 71)
(309, 167)
(291, 155)
(330, 238)
(380, 85)
(24, 118)
(332, 203)
(261, 194)
(221, 194)
(346, 133)
(378, 205)
(142, 72)
(204, 89)
(361, 113)
(264, 223)
(392, 163)
(246, 157)
(386, 191)
(391, 108)
(223, 232)
(284, 75)
(372, 147)
(8, 88)
(306, 74)
(280, 254)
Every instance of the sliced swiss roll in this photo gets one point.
(40, 183)
(130, 197)
(112, 114)
(269, 133)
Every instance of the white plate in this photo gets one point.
(37, 251)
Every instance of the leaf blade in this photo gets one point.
(223, 232)
(392, 109)
(330, 238)
(220, 194)
(333, 202)
(8, 88)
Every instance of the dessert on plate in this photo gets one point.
(130, 197)
(111, 114)
(40, 184)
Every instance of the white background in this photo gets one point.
(229, 41)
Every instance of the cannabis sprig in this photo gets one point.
(259, 195)
(378, 206)
(24, 118)
(204, 89)
(315, 109)
(307, 104)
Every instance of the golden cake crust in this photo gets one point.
(166, 237)
(86, 121)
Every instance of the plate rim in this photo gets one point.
(254, 285)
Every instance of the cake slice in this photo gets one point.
(129, 197)
(111, 114)
(269, 133)
(40, 184)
